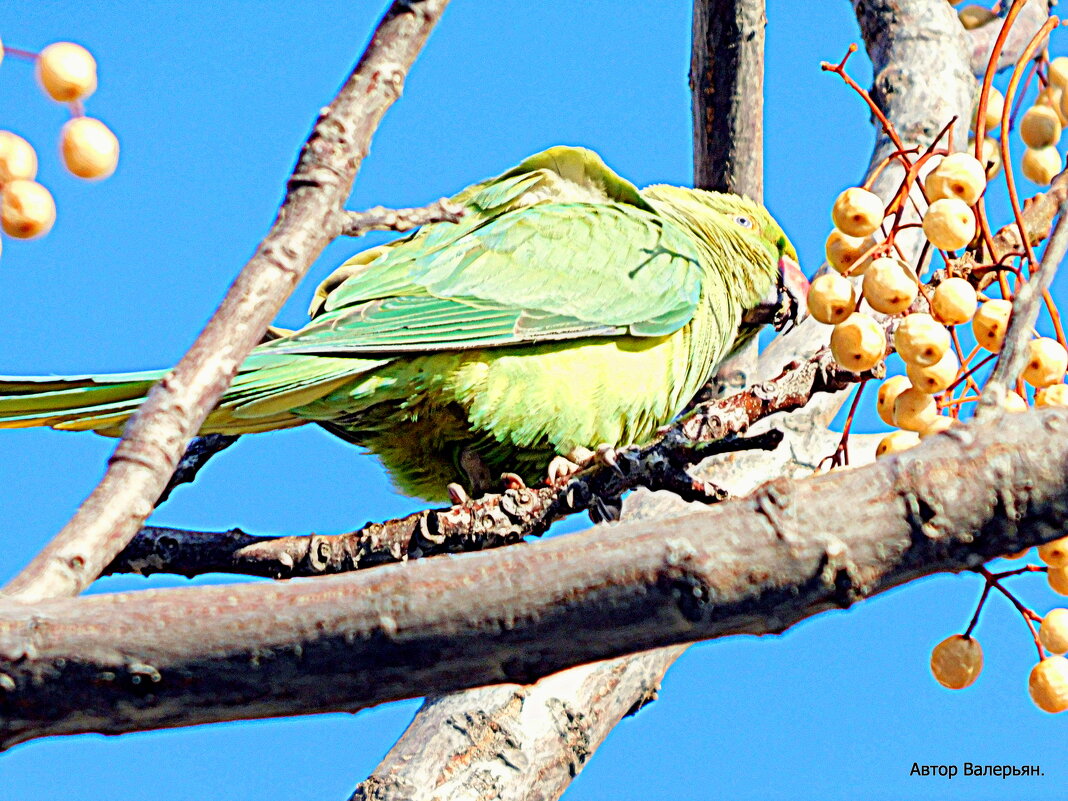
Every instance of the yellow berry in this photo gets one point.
(857, 212)
(1040, 126)
(1058, 580)
(858, 343)
(949, 224)
(831, 298)
(18, 160)
(26, 209)
(972, 17)
(958, 175)
(995, 105)
(895, 442)
(1048, 684)
(1054, 631)
(1, 52)
(889, 286)
(921, 340)
(1014, 402)
(954, 301)
(1058, 72)
(934, 377)
(89, 148)
(990, 156)
(1054, 553)
(844, 250)
(957, 661)
(914, 410)
(1056, 395)
(1018, 554)
(67, 72)
(990, 323)
(937, 426)
(1047, 361)
(888, 392)
(1041, 165)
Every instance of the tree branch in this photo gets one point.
(981, 40)
(1025, 308)
(358, 223)
(310, 216)
(755, 565)
(500, 518)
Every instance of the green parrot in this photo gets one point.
(566, 310)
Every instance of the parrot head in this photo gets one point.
(770, 281)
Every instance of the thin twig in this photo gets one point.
(379, 218)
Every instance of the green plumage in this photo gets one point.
(566, 308)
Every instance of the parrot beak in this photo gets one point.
(786, 304)
(793, 294)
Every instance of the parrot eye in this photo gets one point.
(745, 222)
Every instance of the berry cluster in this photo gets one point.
(67, 73)
(948, 327)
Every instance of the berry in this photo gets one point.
(67, 72)
(1014, 402)
(937, 426)
(972, 17)
(990, 323)
(26, 209)
(1058, 580)
(888, 392)
(1054, 631)
(1040, 127)
(895, 442)
(949, 224)
(844, 250)
(858, 343)
(989, 157)
(914, 410)
(958, 175)
(954, 301)
(889, 286)
(1054, 553)
(857, 212)
(18, 160)
(1047, 361)
(1041, 165)
(921, 340)
(831, 298)
(89, 148)
(995, 106)
(934, 377)
(1048, 684)
(1058, 72)
(1056, 395)
(957, 661)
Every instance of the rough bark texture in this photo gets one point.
(125, 662)
(727, 90)
(309, 218)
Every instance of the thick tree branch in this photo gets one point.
(310, 216)
(727, 91)
(759, 564)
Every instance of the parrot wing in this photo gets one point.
(558, 248)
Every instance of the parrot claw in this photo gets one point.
(513, 481)
(606, 454)
(457, 494)
(561, 469)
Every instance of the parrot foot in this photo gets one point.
(457, 494)
(513, 481)
(563, 468)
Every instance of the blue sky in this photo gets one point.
(211, 102)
